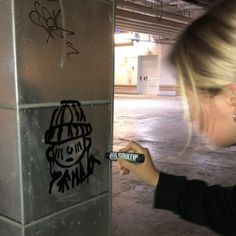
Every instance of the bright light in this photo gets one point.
(123, 38)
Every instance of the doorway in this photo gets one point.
(147, 78)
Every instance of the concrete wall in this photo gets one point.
(126, 67)
(168, 81)
(55, 117)
(126, 61)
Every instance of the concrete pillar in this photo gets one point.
(55, 117)
(168, 83)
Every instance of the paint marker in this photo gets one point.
(131, 157)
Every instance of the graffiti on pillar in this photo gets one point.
(69, 151)
(49, 21)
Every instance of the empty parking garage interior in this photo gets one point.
(148, 109)
(80, 78)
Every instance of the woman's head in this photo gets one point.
(205, 54)
(205, 60)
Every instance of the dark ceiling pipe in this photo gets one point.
(201, 3)
(130, 6)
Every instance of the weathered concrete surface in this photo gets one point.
(157, 124)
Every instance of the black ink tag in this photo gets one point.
(49, 21)
(69, 143)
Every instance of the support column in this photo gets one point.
(168, 83)
(55, 117)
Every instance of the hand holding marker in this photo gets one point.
(134, 153)
(131, 157)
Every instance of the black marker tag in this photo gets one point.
(131, 157)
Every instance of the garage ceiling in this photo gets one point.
(164, 19)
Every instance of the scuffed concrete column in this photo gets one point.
(55, 117)
(168, 82)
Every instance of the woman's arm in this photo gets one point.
(212, 206)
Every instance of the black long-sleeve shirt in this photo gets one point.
(212, 206)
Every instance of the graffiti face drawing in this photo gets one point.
(68, 154)
(69, 143)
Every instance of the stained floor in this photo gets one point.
(157, 123)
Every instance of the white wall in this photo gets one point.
(126, 61)
(167, 72)
(126, 65)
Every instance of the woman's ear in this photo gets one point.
(231, 88)
(230, 93)
(232, 101)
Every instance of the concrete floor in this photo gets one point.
(157, 123)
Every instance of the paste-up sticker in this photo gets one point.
(68, 137)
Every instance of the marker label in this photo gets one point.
(131, 157)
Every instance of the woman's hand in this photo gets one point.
(145, 171)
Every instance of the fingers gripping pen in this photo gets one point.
(131, 157)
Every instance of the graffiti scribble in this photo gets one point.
(73, 52)
(49, 21)
(69, 152)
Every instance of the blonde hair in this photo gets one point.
(205, 53)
